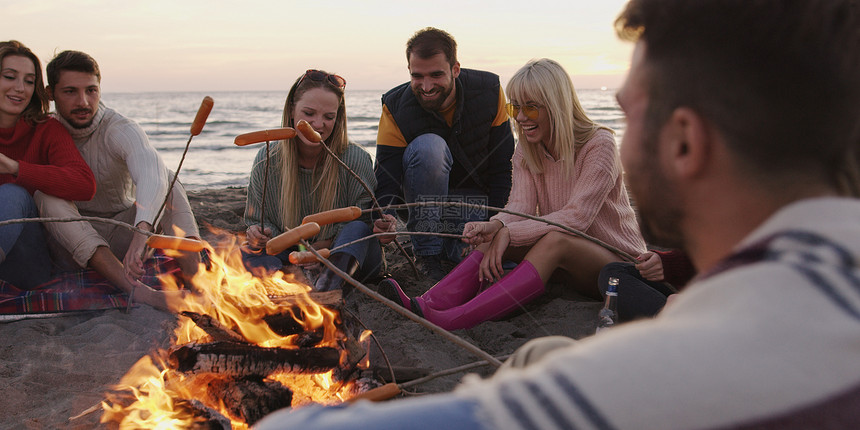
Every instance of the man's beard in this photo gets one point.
(656, 201)
(436, 103)
(79, 126)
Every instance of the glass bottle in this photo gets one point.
(608, 315)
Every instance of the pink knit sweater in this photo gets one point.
(594, 201)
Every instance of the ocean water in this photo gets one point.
(213, 161)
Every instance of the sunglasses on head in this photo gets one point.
(319, 76)
(530, 111)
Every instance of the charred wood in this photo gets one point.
(330, 299)
(249, 399)
(214, 328)
(237, 359)
(205, 418)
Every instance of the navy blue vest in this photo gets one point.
(469, 134)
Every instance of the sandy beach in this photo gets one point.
(54, 369)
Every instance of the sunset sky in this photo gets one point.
(215, 45)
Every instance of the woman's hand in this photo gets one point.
(478, 232)
(650, 266)
(386, 224)
(8, 165)
(491, 264)
(320, 244)
(257, 237)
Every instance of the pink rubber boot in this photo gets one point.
(456, 288)
(520, 286)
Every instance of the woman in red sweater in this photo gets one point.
(565, 169)
(37, 154)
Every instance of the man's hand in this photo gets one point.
(650, 266)
(133, 260)
(386, 224)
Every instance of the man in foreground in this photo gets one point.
(742, 116)
(131, 179)
(442, 136)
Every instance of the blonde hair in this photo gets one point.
(546, 83)
(326, 174)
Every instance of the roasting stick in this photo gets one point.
(264, 136)
(408, 314)
(574, 232)
(306, 231)
(196, 127)
(153, 240)
(392, 389)
(310, 134)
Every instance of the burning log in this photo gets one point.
(249, 399)
(238, 359)
(330, 299)
(214, 328)
(205, 418)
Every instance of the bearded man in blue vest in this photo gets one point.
(442, 136)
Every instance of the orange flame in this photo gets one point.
(239, 301)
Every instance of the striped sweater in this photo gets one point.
(350, 192)
(594, 201)
(774, 341)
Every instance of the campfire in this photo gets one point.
(245, 346)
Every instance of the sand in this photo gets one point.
(53, 369)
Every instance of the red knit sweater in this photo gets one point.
(48, 160)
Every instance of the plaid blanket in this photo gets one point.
(82, 290)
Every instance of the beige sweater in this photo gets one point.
(126, 166)
(594, 201)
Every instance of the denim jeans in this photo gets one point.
(435, 412)
(367, 253)
(27, 262)
(427, 165)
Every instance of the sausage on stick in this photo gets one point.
(279, 243)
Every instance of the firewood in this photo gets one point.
(214, 328)
(249, 399)
(205, 418)
(237, 359)
(330, 299)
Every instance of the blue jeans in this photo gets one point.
(427, 163)
(25, 261)
(368, 253)
(441, 411)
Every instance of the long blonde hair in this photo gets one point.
(327, 171)
(546, 83)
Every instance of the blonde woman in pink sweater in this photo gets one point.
(565, 169)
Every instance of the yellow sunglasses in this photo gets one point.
(530, 111)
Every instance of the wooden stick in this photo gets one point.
(399, 233)
(78, 219)
(397, 307)
(393, 389)
(311, 135)
(572, 231)
(196, 128)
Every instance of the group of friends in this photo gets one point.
(741, 153)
